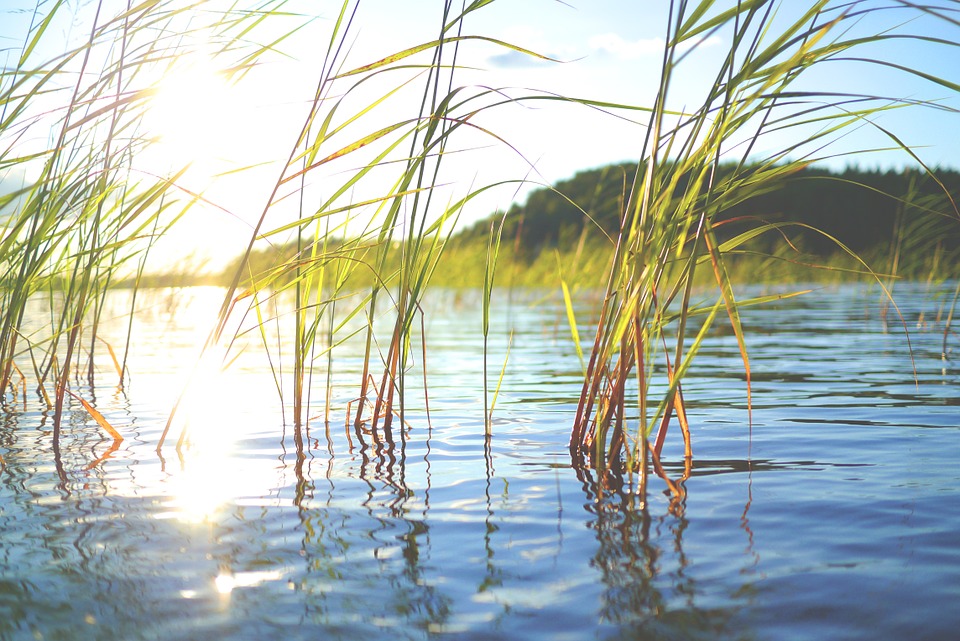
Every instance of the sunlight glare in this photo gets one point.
(209, 476)
(212, 473)
(205, 485)
(195, 115)
(226, 581)
(220, 414)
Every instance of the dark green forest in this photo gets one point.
(860, 208)
(905, 220)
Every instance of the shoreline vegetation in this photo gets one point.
(715, 201)
(899, 223)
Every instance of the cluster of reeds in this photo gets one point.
(651, 326)
(397, 236)
(78, 210)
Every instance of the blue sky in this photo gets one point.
(610, 51)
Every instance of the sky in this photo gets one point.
(605, 50)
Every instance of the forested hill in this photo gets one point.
(862, 209)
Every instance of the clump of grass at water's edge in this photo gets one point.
(81, 212)
(668, 228)
(408, 217)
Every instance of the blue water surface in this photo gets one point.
(830, 510)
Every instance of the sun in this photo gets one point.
(193, 115)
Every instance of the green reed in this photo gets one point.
(650, 326)
(82, 212)
(394, 237)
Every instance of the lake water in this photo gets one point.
(836, 516)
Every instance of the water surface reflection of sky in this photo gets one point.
(833, 520)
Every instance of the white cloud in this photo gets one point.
(613, 44)
(514, 60)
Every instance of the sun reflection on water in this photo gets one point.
(226, 416)
(212, 474)
(227, 581)
(199, 491)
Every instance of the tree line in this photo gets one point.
(816, 210)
